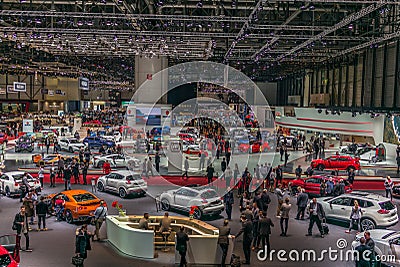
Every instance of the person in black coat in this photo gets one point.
(229, 201)
(223, 167)
(247, 231)
(210, 173)
(181, 245)
(81, 244)
(223, 240)
(265, 200)
(302, 200)
(264, 229)
(67, 178)
(157, 162)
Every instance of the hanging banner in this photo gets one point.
(83, 83)
(19, 87)
(10, 89)
(3, 91)
(27, 126)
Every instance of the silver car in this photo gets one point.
(184, 198)
(378, 211)
(124, 183)
(117, 161)
(70, 144)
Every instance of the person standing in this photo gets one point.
(236, 173)
(99, 216)
(329, 187)
(150, 166)
(60, 165)
(52, 175)
(223, 240)
(256, 218)
(264, 228)
(210, 174)
(228, 156)
(223, 167)
(281, 151)
(322, 188)
(41, 211)
(247, 231)
(157, 160)
(202, 159)
(229, 200)
(106, 167)
(20, 224)
(298, 171)
(360, 260)
(279, 195)
(351, 176)
(85, 168)
(55, 145)
(302, 201)
(67, 178)
(181, 245)
(75, 171)
(272, 178)
(285, 209)
(228, 177)
(41, 175)
(286, 156)
(47, 144)
(388, 187)
(279, 174)
(81, 245)
(355, 217)
(24, 187)
(186, 168)
(317, 214)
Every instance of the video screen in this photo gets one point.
(148, 115)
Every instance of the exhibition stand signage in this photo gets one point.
(19, 87)
(27, 126)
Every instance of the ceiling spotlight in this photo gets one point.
(338, 112)
(360, 112)
(372, 115)
(319, 110)
(353, 114)
(326, 112)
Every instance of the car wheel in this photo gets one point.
(7, 190)
(122, 193)
(100, 186)
(68, 216)
(71, 150)
(320, 167)
(165, 204)
(367, 224)
(100, 164)
(197, 214)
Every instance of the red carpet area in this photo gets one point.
(372, 185)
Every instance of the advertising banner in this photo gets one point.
(84, 83)
(19, 87)
(27, 126)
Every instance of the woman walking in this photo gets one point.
(236, 173)
(81, 244)
(355, 217)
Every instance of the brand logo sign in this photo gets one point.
(19, 87)
(83, 83)
(175, 146)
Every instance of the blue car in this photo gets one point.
(97, 142)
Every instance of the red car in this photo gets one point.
(3, 137)
(187, 137)
(256, 147)
(312, 184)
(5, 258)
(342, 162)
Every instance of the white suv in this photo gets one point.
(123, 183)
(378, 211)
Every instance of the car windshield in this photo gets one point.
(389, 235)
(133, 177)
(84, 197)
(5, 260)
(74, 141)
(209, 194)
(18, 178)
(387, 205)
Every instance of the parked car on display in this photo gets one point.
(255, 147)
(124, 183)
(6, 260)
(288, 139)
(50, 159)
(387, 244)
(187, 137)
(184, 198)
(396, 190)
(116, 161)
(312, 184)
(114, 136)
(79, 204)
(24, 143)
(378, 211)
(3, 138)
(97, 142)
(11, 181)
(337, 162)
(70, 144)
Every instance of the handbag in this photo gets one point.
(325, 227)
(77, 260)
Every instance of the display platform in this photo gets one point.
(124, 235)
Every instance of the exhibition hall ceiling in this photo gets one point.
(265, 39)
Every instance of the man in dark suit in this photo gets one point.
(181, 245)
(362, 260)
(317, 214)
(247, 231)
(229, 201)
(302, 200)
(223, 240)
(157, 162)
(264, 225)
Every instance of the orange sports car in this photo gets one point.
(79, 204)
(51, 158)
